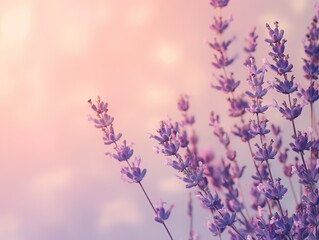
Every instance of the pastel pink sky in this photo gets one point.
(139, 56)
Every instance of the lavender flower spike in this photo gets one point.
(161, 213)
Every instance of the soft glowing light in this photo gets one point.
(157, 95)
(46, 186)
(171, 186)
(139, 15)
(298, 6)
(9, 226)
(167, 54)
(15, 26)
(119, 211)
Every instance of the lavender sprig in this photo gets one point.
(131, 173)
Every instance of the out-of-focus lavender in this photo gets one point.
(218, 181)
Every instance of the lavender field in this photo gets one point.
(151, 61)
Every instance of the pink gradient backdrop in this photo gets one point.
(137, 55)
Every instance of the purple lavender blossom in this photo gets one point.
(311, 70)
(282, 66)
(170, 148)
(306, 176)
(238, 106)
(256, 80)
(258, 199)
(193, 178)
(183, 139)
(220, 25)
(256, 107)
(123, 152)
(220, 47)
(276, 41)
(283, 156)
(251, 40)
(210, 202)
(218, 130)
(265, 152)
(99, 107)
(262, 175)
(302, 143)
(226, 84)
(311, 47)
(275, 34)
(290, 113)
(312, 198)
(259, 129)
(273, 190)
(286, 86)
(161, 213)
(282, 226)
(288, 170)
(103, 121)
(232, 202)
(236, 171)
(179, 165)
(212, 227)
(310, 94)
(133, 174)
(219, 3)
(227, 219)
(222, 61)
(110, 136)
(165, 132)
(183, 103)
(243, 132)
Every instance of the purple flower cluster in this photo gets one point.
(217, 177)
(131, 172)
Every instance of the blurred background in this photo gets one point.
(55, 181)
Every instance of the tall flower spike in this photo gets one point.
(276, 41)
(311, 46)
